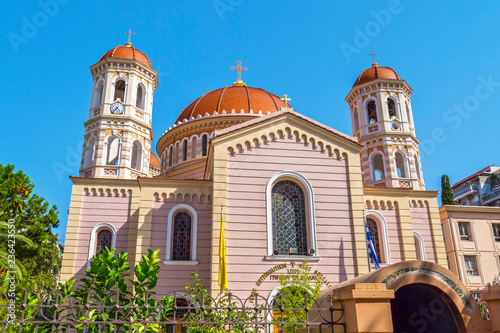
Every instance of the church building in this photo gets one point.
(289, 188)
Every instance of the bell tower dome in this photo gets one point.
(118, 132)
(382, 120)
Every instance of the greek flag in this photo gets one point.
(371, 249)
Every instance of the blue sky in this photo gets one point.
(447, 51)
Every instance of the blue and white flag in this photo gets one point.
(371, 249)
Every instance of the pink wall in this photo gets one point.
(173, 278)
(246, 233)
(101, 207)
(391, 218)
(421, 222)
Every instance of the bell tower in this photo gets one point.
(381, 116)
(118, 132)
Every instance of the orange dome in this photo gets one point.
(153, 159)
(376, 72)
(127, 52)
(236, 98)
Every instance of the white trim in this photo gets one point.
(396, 101)
(105, 148)
(383, 233)
(92, 239)
(140, 158)
(113, 85)
(365, 108)
(170, 231)
(180, 263)
(310, 218)
(422, 246)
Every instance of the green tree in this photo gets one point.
(446, 193)
(34, 219)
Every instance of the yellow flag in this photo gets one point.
(222, 257)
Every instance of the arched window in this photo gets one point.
(136, 160)
(391, 107)
(98, 95)
(103, 235)
(355, 120)
(401, 164)
(181, 234)
(170, 156)
(408, 115)
(119, 91)
(417, 168)
(371, 112)
(113, 150)
(181, 243)
(104, 240)
(289, 219)
(184, 150)
(139, 101)
(378, 168)
(375, 235)
(89, 153)
(419, 246)
(204, 143)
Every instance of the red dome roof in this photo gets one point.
(127, 52)
(376, 72)
(233, 97)
(153, 159)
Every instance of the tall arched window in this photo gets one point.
(104, 240)
(204, 143)
(391, 107)
(98, 95)
(113, 150)
(139, 101)
(371, 112)
(408, 115)
(378, 167)
(119, 91)
(401, 164)
(355, 120)
(374, 233)
(181, 243)
(289, 219)
(170, 156)
(136, 160)
(181, 235)
(89, 153)
(184, 150)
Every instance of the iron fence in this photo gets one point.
(178, 312)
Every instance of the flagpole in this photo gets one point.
(366, 242)
(221, 226)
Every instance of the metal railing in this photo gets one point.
(489, 196)
(57, 312)
(469, 187)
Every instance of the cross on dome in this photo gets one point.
(286, 99)
(239, 69)
(373, 54)
(129, 33)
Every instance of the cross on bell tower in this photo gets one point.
(373, 54)
(129, 33)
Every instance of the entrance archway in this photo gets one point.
(420, 308)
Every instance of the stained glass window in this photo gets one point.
(372, 227)
(104, 239)
(289, 219)
(181, 249)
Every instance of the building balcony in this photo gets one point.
(489, 197)
(464, 190)
(495, 184)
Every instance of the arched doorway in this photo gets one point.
(421, 308)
